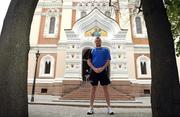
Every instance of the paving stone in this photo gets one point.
(67, 111)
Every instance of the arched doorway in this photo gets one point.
(85, 67)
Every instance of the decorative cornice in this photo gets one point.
(47, 14)
(49, 4)
(96, 18)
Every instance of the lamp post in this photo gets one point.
(34, 81)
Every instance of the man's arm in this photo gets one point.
(107, 58)
(90, 64)
(105, 65)
(97, 70)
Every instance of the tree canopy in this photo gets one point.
(173, 11)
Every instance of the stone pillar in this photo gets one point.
(66, 20)
(125, 18)
(59, 73)
(35, 26)
(131, 62)
(60, 63)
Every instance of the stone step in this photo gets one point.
(83, 92)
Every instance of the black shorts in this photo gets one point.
(102, 77)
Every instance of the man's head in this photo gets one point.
(98, 41)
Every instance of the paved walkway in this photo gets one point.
(51, 106)
(141, 102)
(67, 111)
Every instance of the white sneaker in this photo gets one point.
(90, 111)
(110, 112)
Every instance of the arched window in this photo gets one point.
(108, 14)
(143, 67)
(138, 25)
(83, 14)
(47, 66)
(52, 25)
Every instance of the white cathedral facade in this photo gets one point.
(63, 31)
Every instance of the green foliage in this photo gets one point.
(173, 11)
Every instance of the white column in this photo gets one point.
(66, 18)
(131, 62)
(125, 18)
(35, 27)
(60, 64)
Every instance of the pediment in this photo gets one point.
(96, 19)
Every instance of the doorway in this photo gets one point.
(85, 66)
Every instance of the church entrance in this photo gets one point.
(85, 66)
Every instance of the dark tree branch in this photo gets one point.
(140, 7)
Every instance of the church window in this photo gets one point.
(138, 25)
(143, 67)
(83, 14)
(47, 67)
(108, 14)
(119, 56)
(52, 25)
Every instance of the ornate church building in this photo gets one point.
(63, 32)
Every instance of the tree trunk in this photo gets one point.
(165, 81)
(14, 48)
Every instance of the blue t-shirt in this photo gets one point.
(99, 56)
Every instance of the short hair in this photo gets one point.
(97, 38)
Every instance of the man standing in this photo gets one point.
(98, 60)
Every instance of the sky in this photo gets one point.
(3, 9)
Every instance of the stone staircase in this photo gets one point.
(83, 93)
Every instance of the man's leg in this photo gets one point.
(93, 93)
(106, 94)
(92, 97)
